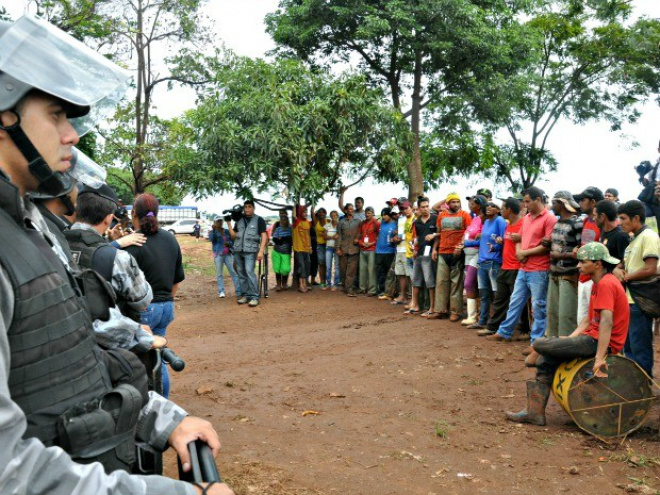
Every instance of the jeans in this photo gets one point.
(562, 310)
(330, 258)
(639, 344)
(383, 265)
(556, 351)
(488, 271)
(449, 284)
(368, 280)
(534, 284)
(222, 260)
(158, 316)
(247, 278)
(303, 260)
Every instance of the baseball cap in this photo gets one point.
(482, 192)
(480, 200)
(386, 211)
(369, 208)
(595, 251)
(403, 204)
(591, 193)
(104, 191)
(493, 205)
(566, 198)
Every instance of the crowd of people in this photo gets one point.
(575, 274)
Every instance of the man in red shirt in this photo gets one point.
(448, 251)
(603, 331)
(367, 237)
(533, 254)
(506, 279)
(590, 233)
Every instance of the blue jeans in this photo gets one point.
(247, 279)
(330, 257)
(534, 284)
(488, 272)
(639, 344)
(653, 210)
(158, 316)
(222, 260)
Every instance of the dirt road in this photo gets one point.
(319, 393)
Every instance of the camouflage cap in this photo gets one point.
(595, 251)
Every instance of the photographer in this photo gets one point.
(250, 241)
(649, 177)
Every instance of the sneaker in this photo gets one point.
(242, 300)
(384, 297)
(221, 295)
(254, 303)
(454, 318)
(498, 338)
(485, 332)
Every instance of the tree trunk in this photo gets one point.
(415, 178)
(138, 160)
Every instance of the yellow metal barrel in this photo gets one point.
(606, 407)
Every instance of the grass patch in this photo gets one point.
(440, 429)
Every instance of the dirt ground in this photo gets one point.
(400, 404)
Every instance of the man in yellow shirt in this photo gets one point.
(640, 262)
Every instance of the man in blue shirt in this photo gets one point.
(490, 260)
(385, 249)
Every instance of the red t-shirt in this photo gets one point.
(590, 233)
(368, 229)
(608, 294)
(451, 227)
(533, 231)
(509, 260)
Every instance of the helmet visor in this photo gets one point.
(42, 56)
(84, 169)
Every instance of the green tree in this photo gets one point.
(421, 52)
(587, 62)
(161, 41)
(282, 127)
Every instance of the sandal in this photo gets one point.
(411, 312)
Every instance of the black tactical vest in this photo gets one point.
(57, 374)
(55, 362)
(91, 250)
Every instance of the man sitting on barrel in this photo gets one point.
(602, 331)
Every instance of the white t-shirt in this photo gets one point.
(401, 232)
(330, 230)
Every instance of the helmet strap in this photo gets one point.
(48, 181)
(68, 204)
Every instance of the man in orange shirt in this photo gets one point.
(448, 251)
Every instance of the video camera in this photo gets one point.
(642, 169)
(235, 213)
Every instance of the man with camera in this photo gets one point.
(250, 242)
(649, 177)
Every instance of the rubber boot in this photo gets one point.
(537, 398)
(285, 281)
(472, 315)
(278, 284)
(484, 295)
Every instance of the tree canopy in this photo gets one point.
(290, 129)
(421, 52)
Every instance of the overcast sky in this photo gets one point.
(587, 155)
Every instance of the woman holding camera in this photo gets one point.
(223, 255)
(160, 260)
